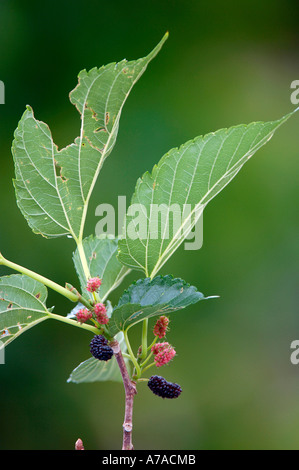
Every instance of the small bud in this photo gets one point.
(83, 315)
(72, 289)
(101, 313)
(139, 351)
(163, 353)
(161, 327)
(79, 444)
(93, 284)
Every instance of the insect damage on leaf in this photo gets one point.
(52, 184)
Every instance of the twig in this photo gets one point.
(130, 392)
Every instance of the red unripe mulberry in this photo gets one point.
(93, 284)
(163, 353)
(101, 313)
(83, 315)
(160, 327)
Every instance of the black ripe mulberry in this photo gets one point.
(99, 348)
(159, 386)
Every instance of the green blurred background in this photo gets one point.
(225, 63)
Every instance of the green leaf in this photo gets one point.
(101, 259)
(53, 187)
(93, 370)
(22, 305)
(147, 298)
(190, 175)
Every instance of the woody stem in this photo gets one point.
(130, 392)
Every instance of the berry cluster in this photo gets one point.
(163, 352)
(100, 349)
(98, 311)
(159, 386)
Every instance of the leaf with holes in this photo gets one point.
(170, 200)
(53, 186)
(93, 370)
(22, 305)
(148, 298)
(100, 253)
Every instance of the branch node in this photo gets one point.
(128, 427)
